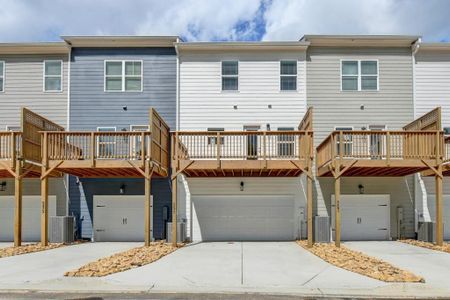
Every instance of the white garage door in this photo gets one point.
(119, 218)
(446, 213)
(237, 218)
(363, 217)
(31, 217)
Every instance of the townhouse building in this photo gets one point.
(432, 89)
(114, 82)
(32, 75)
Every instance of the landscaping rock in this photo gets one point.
(123, 261)
(29, 248)
(444, 248)
(360, 263)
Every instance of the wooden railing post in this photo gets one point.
(388, 148)
(92, 149)
(265, 149)
(13, 150)
(341, 145)
(143, 148)
(218, 149)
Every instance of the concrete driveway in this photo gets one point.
(432, 265)
(241, 264)
(52, 264)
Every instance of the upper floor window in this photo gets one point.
(212, 140)
(123, 76)
(53, 76)
(359, 75)
(230, 74)
(288, 75)
(2, 76)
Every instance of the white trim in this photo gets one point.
(68, 88)
(135, 125)
(229, 76)
(123, 76)
(3, 75)
(288, 75)
(359, 75)
(61, 76)
(8, 128)
(177, 96)
(107, 127)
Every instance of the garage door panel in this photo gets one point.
(223, 218)
(364, 217)
(31, 217)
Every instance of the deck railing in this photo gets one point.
(98, 145)
(242, 145)
(379, 145)
(10, 145)
(447, 149)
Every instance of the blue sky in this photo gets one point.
(220, 20)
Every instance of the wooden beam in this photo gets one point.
(435, 171)
(301, 168)
(137, 168)
(439, 207)
(147, 206)
(18, 208)
(341, 172)
(337, 218)
(183, 169)
(174, 211)
(49, 171)
(7, 168)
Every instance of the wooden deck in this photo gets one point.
(242, 153)
(377, 153)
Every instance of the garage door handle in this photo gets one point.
(100, 230)
(382, 204)
(382, 228)
(101, 205)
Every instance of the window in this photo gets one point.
(13, 128)
(359, 75)
(288, 75)
(136, 142)
(53, 76)
(230, 74)
(105, 143)
(123, 76)
(286, 143)
(2, 76)
(347, 141)
(212, 140)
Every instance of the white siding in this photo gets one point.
(203, 104)
(432, 83)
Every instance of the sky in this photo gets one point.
(222, 20)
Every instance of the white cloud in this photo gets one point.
(289, 19)
(34, 20)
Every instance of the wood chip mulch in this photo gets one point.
(28, 248)
(444, 248)
(360, 263)
(123, 261)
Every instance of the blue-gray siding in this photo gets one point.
(92, 107)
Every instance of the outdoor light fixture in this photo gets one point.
(268, 127)
(2, 186)
(361, 189)
(242, 186)
(122, 189)
(125, 108)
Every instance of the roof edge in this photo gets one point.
(120, 40)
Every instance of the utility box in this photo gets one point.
(322, 229)
(181, 232)
(62, 229)
(427, 232)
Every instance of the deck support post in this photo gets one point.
(337, 218)
(174, 211)
(309, 205)
(44, 192)
(18, 204)
(147, 206)
(439, 207)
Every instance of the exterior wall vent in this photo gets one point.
(322, 229)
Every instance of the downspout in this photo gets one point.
(177, 118)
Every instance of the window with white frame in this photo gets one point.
(123, 76)
(288, 75)
(347, 141)
(2, 76)
(230, 75)
(13, 128)
(136, 142)
(359, 75)
(105, 142)
(212, 140)
(53, 76)
(286, 142)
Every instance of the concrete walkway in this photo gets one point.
(432, 265)
(52, 264)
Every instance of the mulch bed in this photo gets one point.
(444, 248)
(28, 248)
(123, 261)
(360, 263)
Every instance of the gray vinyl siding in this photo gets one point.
(24, 88)
(92, 107)
(392, 106)
(432, 83)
